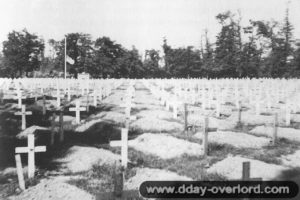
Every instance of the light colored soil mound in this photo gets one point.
(292, 160)
(288, 133)
(50, 104)
(147, 174)
(147, 106)
(66, 119)
(80, 159)
(196, 112)
(53, 189)
(240, 140)
(165, 146)
(144, 98)
(115, 98)
(87, 125)
(198, 120)
(151, 124)
(116, 117)
(29, 130)
(252, 119)
(231, 167)
(160, 114)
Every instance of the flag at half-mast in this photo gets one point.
(69, 60)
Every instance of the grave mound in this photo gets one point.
(79, 159)
(231, 168)
(165, 146)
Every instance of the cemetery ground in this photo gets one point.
(167, 138)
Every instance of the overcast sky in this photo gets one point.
(142, 23)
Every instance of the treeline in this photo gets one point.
(261, 49)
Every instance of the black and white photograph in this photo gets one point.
(149, 99)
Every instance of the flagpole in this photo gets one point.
(65, 57)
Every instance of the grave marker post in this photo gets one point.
(124, 148)
(69, 93)
(57, 97)
(88, 102)
(287, 113)
(1, 96)
(246, 173)
(205, 137)
(95, 98)
(275, 128)
(52, 129)
(61, 126)
(20, 172)
(23, 113)
(175, 112)
(118, 181)
(240, 113)
(30, 149)
(257, 105)
(185, 118)
(44, 105)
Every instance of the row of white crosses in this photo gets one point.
(163, 96)
(130, 93)
(257, 92)
(44, 85)
(77, 109)
(124, 131)
(31, 149)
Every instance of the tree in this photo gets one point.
(23, 52)
(181, 62)
(207, 58)
(277, 46)
(107, 55)
(287, 46)
(130, 64)
(151, 64)
(296, 62)
(4, 70)
(167, 56)
(228, 47)
(250, 55)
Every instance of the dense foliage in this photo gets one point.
(261, 49)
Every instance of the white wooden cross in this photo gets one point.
(77, 109)
(124, 146)
(69, 92)
(95, 98)
(128, 105)
(30, 149)
(23, 113)
(203, 98)
(287, 113)
(58, 97)
(175, 109)
(257, 105)
(19, 97)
